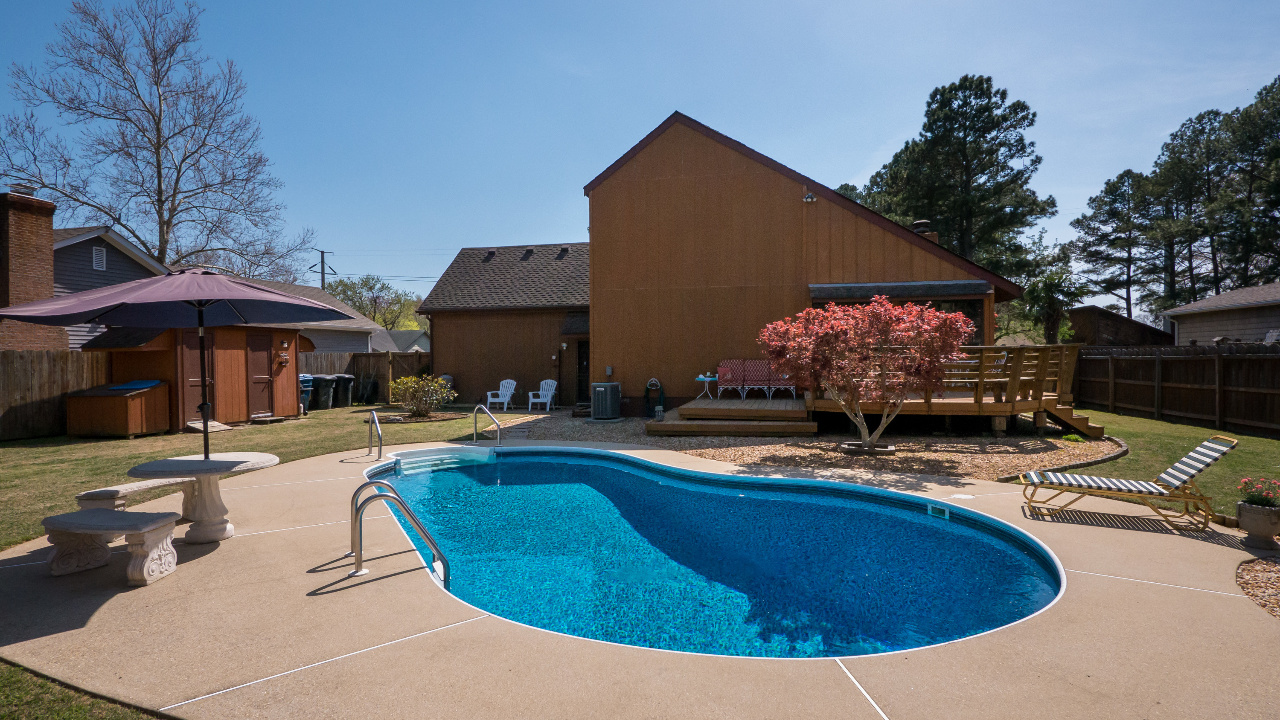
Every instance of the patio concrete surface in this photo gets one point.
(266, 625)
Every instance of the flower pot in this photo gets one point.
(1262, 524)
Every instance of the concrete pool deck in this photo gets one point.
(266, 625)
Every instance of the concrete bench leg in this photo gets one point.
(151, 555)
(73, 552)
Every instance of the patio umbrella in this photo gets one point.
(190, 298)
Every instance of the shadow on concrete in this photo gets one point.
(333, 587)
(347, 562)
(1139, 524)
(36, 604)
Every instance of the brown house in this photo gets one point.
(1092, 325)
(697, 242)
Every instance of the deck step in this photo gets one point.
(266, 419)
(1065, 414)
(675, 424)
(750, 409)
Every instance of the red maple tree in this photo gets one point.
(878, 352)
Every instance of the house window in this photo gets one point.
(99, 258)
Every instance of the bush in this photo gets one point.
(421, 395)
(1073, 438)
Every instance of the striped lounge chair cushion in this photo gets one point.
(1195, 462)
(1091, 482)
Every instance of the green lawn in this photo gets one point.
(1154, 446)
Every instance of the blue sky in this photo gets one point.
(405, 130)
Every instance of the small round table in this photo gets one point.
(202, 500)
(706, 381)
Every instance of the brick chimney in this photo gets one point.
(921, 228)
(26, 267)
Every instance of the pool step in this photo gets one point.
(434, 464)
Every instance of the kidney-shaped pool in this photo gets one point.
(606, 546)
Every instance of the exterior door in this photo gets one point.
(259, 372)
(191, 373)
(584, 371)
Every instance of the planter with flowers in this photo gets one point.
(1259, 512)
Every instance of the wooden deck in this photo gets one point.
(996, 382)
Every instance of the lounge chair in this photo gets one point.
(545, 394)
(1176, 485)
(503, 394)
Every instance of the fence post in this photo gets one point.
(1111, 383)
(1159, 399)
(1218, 399)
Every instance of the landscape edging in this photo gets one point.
(1121, 452)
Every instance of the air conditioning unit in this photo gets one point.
(606, 401)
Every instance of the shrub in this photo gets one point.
(421, 395)
(1261, 492)
(1073, 438)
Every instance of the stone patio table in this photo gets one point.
(202, 503)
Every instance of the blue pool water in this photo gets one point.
(607, 547)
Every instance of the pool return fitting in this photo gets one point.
(386, 493)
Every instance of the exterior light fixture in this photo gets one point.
(810, 197)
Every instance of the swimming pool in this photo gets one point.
(606, 546)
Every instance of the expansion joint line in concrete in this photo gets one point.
(295, 482)
(322, 662)
(862, 690)
(1151, 582)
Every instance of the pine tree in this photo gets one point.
(1112, 244)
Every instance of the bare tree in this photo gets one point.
(154, 140)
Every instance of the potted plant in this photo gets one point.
(1259, 512)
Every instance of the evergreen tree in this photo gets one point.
(968, 173)
(1112, 244)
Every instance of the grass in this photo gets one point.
(1154, 446)
(27, 696)
(42, 476)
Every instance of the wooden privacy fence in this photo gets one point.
(1236, 384)
(373, 371)
(34, 385)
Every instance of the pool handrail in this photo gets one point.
(358, 507)
(373, 423)
(475, 432)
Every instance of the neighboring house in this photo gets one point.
(696, 243)
(1244, 315)
(86, 258)
(1092, 325)
(512, 312)
(411, 340)
(358, 335)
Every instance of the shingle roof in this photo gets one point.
(516, 276)
(357, 322)
(60, 234)
(409, 340)
(1244, 297)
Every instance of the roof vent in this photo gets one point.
(564, 252)
(528, 253)
(488, 254)
(921, 228)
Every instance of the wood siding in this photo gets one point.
(481, 349)
(695, 248)
(1242, 325)
(73, 272)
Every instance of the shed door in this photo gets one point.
(259, 371)
(191, 373)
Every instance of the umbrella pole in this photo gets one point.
(204, 382)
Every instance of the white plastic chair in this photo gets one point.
(546, 393)
(503, 394)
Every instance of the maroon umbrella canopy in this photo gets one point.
(173, 301)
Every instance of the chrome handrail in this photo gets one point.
(475, 433)
(358, 507)
(373, 423)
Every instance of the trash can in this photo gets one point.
(321, 392)
(342, 390)
(304, 392)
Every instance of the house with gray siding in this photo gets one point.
(1244, 315)
(86, 258)
(357, 335)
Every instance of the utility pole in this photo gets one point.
(324, 266)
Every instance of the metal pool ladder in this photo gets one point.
(475, 433)
(373, 423)
(438, 561)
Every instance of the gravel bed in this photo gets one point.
(982, 458)
(1260, 580)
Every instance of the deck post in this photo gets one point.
(999, 423)
(1041, 419)
(1014, 389)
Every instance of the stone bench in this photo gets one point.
(80, 542)
(117, 496)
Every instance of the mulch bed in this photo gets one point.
(1260, 580)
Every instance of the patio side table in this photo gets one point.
(202, 500)
(706, 381)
